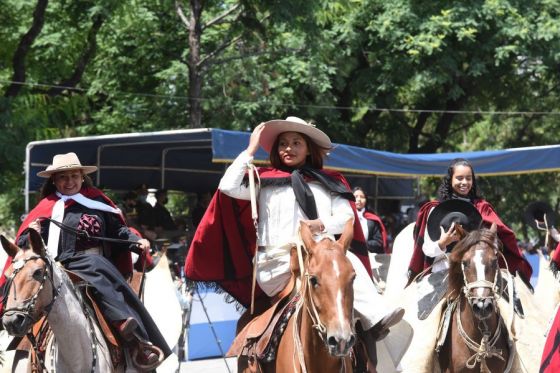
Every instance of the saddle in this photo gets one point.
(259, 338)
(115, 347)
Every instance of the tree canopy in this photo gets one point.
(403, 76)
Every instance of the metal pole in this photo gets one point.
(213, 330)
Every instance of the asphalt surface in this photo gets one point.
(209, 366)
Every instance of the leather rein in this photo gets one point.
(85, 235)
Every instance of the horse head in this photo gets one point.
(29, 291)
(474, 270)
(328, 288)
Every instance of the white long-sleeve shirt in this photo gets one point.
(431, 248)
(279, 211)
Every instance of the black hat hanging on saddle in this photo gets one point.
(453, 211)
(537, 211)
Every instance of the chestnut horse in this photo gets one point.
(320, 333)
(36, 287)
(477, 339)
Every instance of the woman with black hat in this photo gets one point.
(460, 184)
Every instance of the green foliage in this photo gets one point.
(363, 70)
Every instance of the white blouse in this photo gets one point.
(431, 248)
(279, 212)
(363, 222)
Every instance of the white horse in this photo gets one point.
(397, 276)
(37, 286)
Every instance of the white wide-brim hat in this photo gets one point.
(66, 162)
(275, 127)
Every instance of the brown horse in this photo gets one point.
(320, 333)
(477, 339)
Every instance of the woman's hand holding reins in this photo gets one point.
(316, 226)
(254, 140)
(144, 244)
(35, 225)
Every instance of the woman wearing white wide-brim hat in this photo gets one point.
(297, 189)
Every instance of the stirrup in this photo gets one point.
(146, 346)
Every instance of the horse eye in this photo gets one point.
(465, 264)
(313, 281)
(38, 274)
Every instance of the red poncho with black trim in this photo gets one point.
(515, 260)
(371, 216)
(120, 258)
(224, 243)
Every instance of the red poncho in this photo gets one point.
(371, 216)
(514, 257)
(550, 361)
(223, 246)
(121, 258)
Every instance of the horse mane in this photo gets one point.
(477, 237)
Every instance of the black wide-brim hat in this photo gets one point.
(536, 211)
(453, 211)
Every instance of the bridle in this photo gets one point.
(28, 305)
(486, 349)
(311, 308)
(494, 294)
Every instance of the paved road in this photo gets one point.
(210, 366)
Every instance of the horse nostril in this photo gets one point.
(351, 341)
(332, 342)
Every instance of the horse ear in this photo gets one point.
(460, 231)
(494, 228)
(347, 234)
(36, 242)
(294, 262)
(307, 236)
(9, 247)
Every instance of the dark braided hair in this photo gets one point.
(445, 190)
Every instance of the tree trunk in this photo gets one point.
(18, 62)
(195, 78)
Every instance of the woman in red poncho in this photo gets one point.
(372, 225)
(68, 196)
(295, 189)
(460, 183)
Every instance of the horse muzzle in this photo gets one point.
(17, 323)
(482, 307)
(340, 346)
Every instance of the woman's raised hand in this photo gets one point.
(254, 140)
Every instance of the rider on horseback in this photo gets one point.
(295, 189)
(460, 183)
(71, 202)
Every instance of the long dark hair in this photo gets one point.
(355, 189)
(445, 190)
(48, 186)
(314, 159)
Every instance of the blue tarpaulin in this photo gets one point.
(194, 160)
(368, 161)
